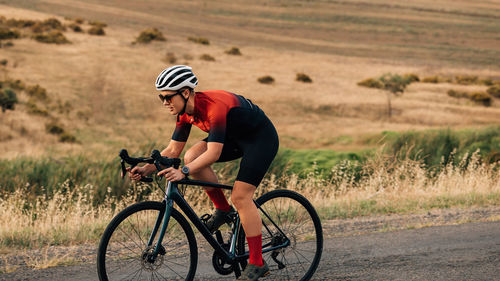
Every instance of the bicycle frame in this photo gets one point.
(172, 195)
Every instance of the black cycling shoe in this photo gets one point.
(253, 272)
(219, 217)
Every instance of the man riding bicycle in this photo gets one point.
(236, 128)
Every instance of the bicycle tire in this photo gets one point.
(121, 254)
(301, 225)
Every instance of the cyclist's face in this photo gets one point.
(172, 100)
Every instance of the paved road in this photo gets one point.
(459, 252)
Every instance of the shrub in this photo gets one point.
(34, 109)
(6, 33)
(466, 79)
(8, 44)
(75, 27)
(67, 137)
(486, 82)
(79, 20)
(14, 84)
(53, 37)
(234, 51)
(54, 128)
(199, 40)
(96, 30)
(98, 23)
(187, 57)
(37, 92)
(19, 23)
(53, 23)
(411, 77)
(494, 91)
(8, 99)
(481, 97)
(371, 83)
(431, 79)
(149, 35)
(302, 77)
(207, 57)
(4, 62)
(266, 79)
(457, 94)
(170, 58)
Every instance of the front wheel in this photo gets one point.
(124, 253)
(288, 216)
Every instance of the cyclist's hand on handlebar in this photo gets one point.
(137, 173)
(172, 174)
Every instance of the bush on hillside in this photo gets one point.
(233, 51)
(96, 30)
(371, 83)
(481, 98)
(411, 77)
(494, 91)
(7, 44)
(302, 77)
(52, 37)
(75, 27)
(78, 20)
(466, 79)
(266, 79)
(6, 33)
(486, 82)
(54, 128)
(14, 84)
(18, 23)
(8, 99)
(207, 57)
(67, 137)
(35, 110)
(149, 35)
(457, 94)
(47, 25)
(431, 79)
(199, 40)
(4, 62)
(36, 91)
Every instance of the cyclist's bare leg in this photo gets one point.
(207, 174)
(242, 197)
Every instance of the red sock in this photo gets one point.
(219, 199)
(255, 249)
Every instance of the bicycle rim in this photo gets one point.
(125, 255)
(298, 222)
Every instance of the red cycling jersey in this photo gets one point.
(211, 110)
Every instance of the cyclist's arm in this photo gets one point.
(173, 150)
(207, 158)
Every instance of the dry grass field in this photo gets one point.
(108, 81)
(101, 90)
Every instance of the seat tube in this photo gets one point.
(169, 203)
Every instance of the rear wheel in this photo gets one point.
(300, 225)
(124, 254)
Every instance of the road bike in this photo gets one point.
(153, 241)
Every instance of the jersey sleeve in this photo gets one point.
(217, 115)
(181, 132)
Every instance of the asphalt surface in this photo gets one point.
(468, 251)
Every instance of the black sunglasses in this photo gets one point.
(164, 98)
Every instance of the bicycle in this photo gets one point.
(132, 249)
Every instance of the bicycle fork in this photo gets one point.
(162, 219)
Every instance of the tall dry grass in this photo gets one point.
(383, 186)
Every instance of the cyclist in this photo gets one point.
(236, 128)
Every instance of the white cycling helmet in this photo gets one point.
(175, 78)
